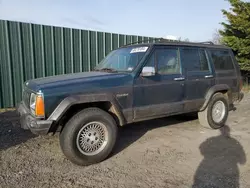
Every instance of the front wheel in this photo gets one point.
(89, 136)
(216, 113)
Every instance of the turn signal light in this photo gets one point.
(39, 111)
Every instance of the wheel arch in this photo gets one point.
(223, 88)
(73, 104)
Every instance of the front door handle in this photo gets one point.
(209, 76)
(179, 79)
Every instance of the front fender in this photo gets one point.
(62, 108)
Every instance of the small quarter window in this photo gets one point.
(222, 60)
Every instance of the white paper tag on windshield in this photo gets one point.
(139, 49)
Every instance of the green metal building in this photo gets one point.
(31, 51)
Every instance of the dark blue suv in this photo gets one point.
(133, 83)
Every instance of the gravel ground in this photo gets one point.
(169, 152)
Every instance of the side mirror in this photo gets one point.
(148, 71)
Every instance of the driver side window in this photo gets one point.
(166, 60)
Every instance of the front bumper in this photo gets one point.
(28, 122)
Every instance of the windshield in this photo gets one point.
(123, 59)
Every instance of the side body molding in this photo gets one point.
(211, 91)
(89, 98)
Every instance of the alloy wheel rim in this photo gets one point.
(92, 138)
(218, 111)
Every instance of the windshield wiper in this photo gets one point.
(107, 70)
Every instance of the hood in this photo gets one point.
(70, 79)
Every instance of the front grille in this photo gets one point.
(26, 98)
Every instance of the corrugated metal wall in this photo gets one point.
(31, 51)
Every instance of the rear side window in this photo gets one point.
(222, 60)
(194, 59)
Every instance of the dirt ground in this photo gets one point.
(169, 152)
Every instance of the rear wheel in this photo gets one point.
(216, 113)
(89, 136)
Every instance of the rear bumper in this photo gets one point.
(28, 122)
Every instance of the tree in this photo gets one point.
(216, 37)
(236, 32)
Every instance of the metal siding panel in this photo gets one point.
(92, 49)
(7, 88)
(107, 42)
(100, 46)
(134, 39)
(140, 39)
(76, 50)
(157, 40)
(38, 44)
(145, 39)
(84, 43)
(27, 52)
(115, 41)
(80, 50)
(59, 51)
(1, 60)
(128, 39)
(16, 61)
(48, 51)
(121, 40)
(151, 39)
(68, 50)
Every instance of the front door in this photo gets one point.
(162, 93)
(199, 77)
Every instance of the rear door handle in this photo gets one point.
(179, 79)
(209, 76)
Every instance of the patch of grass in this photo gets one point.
(6, 109)
(246, 87)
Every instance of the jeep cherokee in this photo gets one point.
(131, 84)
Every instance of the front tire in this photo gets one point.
(216, 113)
(89, 136)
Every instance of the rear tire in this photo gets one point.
(89, 136)
(216, 113)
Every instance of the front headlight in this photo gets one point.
(33, 103)
(37, 104)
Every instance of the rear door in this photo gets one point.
(199, 77)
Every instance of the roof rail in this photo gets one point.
(207, 42)
(138, 42)
(163, 40)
